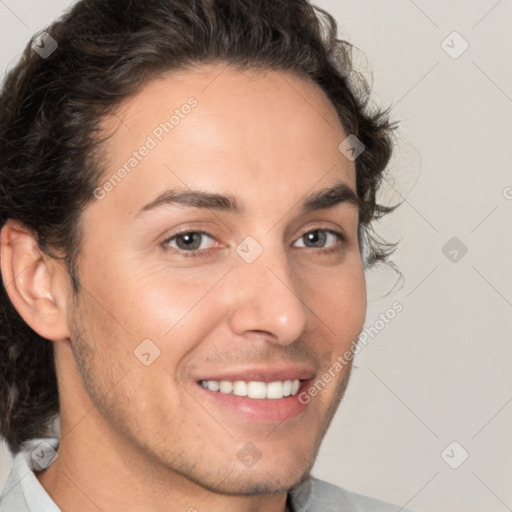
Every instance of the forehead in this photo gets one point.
(219, 128)
(219, 85)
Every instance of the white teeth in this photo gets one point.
(213, 385)
(240, 388)
(275, 390)
(255, 389)
(226, 386)
(287, 387)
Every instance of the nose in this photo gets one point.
(267, 300)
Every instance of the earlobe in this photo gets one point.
(34, 282)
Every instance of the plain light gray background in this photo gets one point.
(439, 372)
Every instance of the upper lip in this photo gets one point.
(262, 374)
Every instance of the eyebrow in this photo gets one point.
(330, 197)
(340, 193)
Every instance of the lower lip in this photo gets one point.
(260, 410)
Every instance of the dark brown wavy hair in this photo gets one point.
(50, 114)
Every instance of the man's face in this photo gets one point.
(281, 306)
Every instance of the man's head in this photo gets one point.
(178, 213)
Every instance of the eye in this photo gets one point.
(190, 241)
(320, 239)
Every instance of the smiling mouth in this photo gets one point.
(257, 390)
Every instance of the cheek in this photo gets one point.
(173, 308)
(163, 301)
(339, 300)
(144, 293)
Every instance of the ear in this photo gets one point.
(36, 284)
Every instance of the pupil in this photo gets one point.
(190, 240)
(317, 238)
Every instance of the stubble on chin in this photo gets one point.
(96, 382)
(294, 475)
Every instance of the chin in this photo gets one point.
(259, 479)
(255, 485)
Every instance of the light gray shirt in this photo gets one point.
(24, 493)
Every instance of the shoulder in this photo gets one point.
(316, 495)
(22, 491)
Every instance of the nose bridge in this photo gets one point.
(267, 297)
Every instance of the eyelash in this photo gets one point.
(205, 252)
